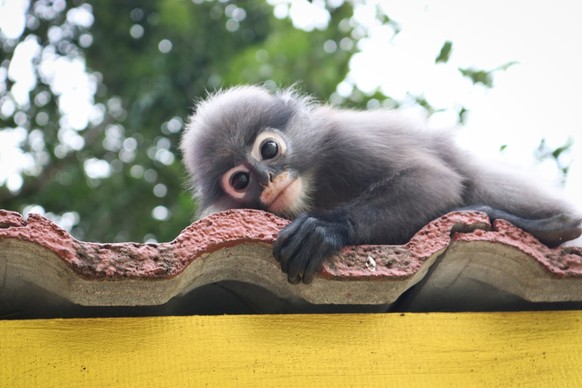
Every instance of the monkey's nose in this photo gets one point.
(267, 178)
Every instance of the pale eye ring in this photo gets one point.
(269, 145)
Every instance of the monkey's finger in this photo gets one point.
(285, 234)
(312, 268)
(291, 247)
(314, 264)
(295, 280)
(290, 253)
(309, 256)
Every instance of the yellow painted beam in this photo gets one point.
(469, 349)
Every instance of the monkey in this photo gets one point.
(347, 177)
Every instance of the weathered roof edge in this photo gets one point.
(236, 245)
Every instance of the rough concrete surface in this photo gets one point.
(458, 248)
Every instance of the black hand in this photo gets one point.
(304, 244)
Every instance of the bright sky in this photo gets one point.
(537, 98)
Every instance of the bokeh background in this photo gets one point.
(94, 95)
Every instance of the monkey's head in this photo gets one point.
(240, 148)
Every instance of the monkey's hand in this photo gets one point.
(308, 241)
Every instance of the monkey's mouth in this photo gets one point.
(282, 194)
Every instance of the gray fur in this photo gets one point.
(386, 175)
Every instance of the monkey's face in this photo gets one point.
(243, 149)
(264, 180)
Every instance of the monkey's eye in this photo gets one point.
(240, 180)
(269, 149)
(269, 144)
(235, 182)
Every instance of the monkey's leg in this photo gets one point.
(551, 231)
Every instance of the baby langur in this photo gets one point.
(347, 177)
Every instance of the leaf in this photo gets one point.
(478, 76)
(558, 151)
(507, 65)
(463, 115)
(445, 53)
(544, 151)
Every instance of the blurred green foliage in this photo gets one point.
(561, 155)
(117, 175)
(150, 60)
(479, 76)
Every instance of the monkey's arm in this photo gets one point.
(389, 212)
